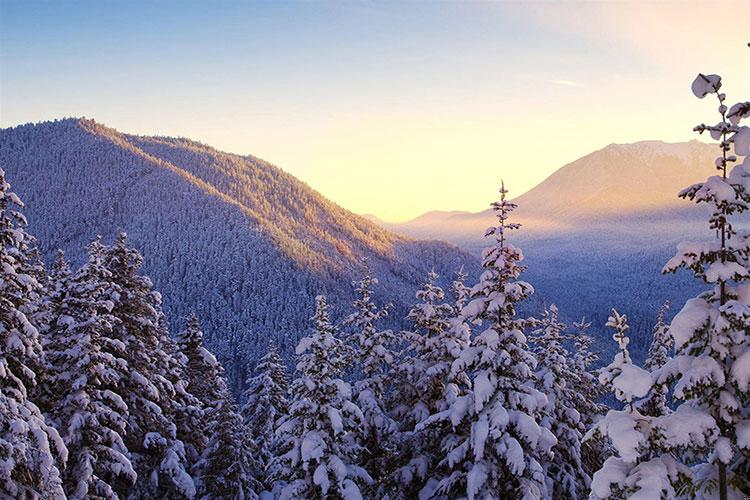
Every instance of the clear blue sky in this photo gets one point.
(392, 108)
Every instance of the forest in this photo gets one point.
(475, 399)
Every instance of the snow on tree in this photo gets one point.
(426, 382)
(86, 365)
(319, 444)
(30, 449)
(228, 468)
(375, 358)
(588, 395)
(498, 447)
(642, 466)
(656, 403)
(206, 386)
(265, 401)
(558, 379)
(712, 331)
(460, 292)
(149, 390)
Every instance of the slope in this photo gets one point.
(235, 239)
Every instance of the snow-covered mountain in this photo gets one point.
(619, 182)
(597, 232)
(242, 243)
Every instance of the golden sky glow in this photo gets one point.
(392, 109)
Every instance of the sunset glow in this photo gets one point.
(386, 108)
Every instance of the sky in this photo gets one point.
(387, 108)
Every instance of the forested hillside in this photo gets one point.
(234, 239)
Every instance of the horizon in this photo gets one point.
(514, 194)
(387, 109)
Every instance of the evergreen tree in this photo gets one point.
(460, 291)
(656, 404)
(587, 398)
(375, 357)
(558, 380)
(265, 401)
(30, 449)
(498, 446)
(228, 469)
(319, 448)
(426, 383)
(642, 466)
(710, 371)
(86, 366)
(206, 386)
(149, 392)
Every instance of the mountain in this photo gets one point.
(620, 182)
(233, 238)
(597, 232)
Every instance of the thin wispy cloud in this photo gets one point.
(567, 83)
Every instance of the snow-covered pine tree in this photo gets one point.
(558, 379)
(375, 357)
(86, 365)
(588, 396)
(319, 446)
(426, 383)
(460, 291)
(204, 377)
(642, 466)
(189, 414)
(228, 468)
(149, 392)
(711, 368)
(265, 401)
(498, 446)
(57, 284)
(660, 351)
(30, 449)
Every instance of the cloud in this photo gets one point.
(567, 83)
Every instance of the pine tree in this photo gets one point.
(642, 466)
(587, 398)
(656, 403)
(319, 448)
(558, 380)
(426, 383)
(460, 291)
(712, 331)
(86, 366)
(30, 449)
(374, 355)
(206, 385)
(265, 401)
(149, 391)
(498, 446)
(228, 469)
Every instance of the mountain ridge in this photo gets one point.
(233, 238)
(548, 207)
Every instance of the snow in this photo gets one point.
(313, 446)
(725, 271)
(742, 431)
(741, 371)
(741, 141)
(694, 315)
(632, 382)
(705, 84)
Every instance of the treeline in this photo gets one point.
(98, 400)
